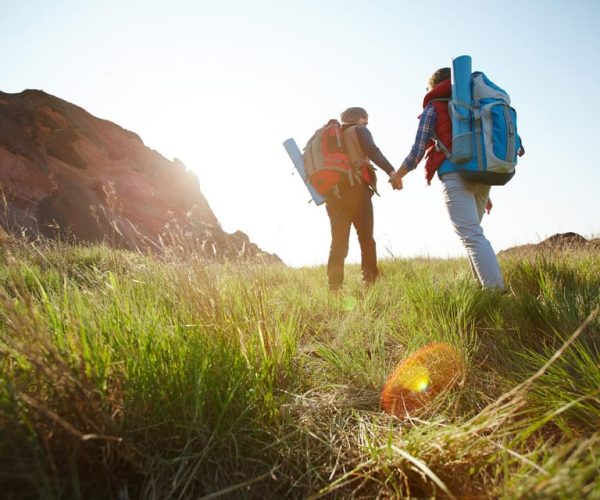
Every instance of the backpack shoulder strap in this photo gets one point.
(352, 147)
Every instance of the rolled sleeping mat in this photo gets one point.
(460, 110)
(294, 151)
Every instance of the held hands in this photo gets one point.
(396, 178)
(396, 182)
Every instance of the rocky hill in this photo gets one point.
(67, 174)
(557, 242)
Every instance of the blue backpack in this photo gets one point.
(485, 142)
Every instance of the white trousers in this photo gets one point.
(466, 202)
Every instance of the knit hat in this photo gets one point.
(352, 115)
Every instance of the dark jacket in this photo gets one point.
(370, 148)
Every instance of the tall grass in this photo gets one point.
(127, 375)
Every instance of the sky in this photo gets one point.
(220, 85)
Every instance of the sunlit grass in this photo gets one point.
(135, 375)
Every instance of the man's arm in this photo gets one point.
(365, 139)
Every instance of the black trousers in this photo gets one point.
(352, 208)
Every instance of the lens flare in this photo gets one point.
(431, 370)
(348, 303)
(421, 384)
(414, 378)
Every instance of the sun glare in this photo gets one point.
(431, 370)
(415, 378)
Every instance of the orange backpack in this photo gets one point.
(325, 159)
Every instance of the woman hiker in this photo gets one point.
(465, 200)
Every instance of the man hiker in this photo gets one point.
(349, 204)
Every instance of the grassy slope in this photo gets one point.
(123, 374)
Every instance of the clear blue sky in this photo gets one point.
(220, 85)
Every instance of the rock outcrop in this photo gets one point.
(67, 174)
(557, 242)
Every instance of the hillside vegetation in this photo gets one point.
(135, 376)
